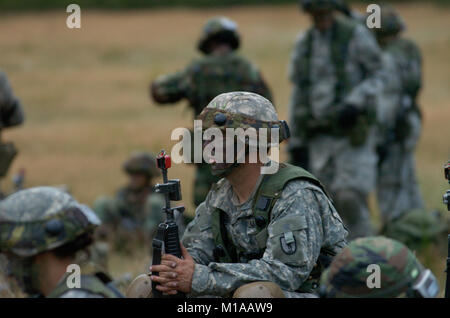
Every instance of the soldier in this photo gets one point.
(256, 235)
(377, 267)
(221, 70)
(11, 114)
(44, 230)
(398, 191)
(134, 213)
(336, 72)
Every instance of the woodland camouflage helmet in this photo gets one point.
(401, 274)
(391, 22)
(244, 110)
(40, 219)
(309, 5)
(219, 29)
(141, 162)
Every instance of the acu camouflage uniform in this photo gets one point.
(399, 121)
(11, 114)
(274, 237)
(205, 78)
(330, 71)
(44, 219)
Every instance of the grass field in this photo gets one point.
(85, 92)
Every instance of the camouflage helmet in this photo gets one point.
(40, 219)
(242, 110)
(311, 5)
(252, 113)
(222, 29)
(401, 273)
(391, 22)
(141, 162)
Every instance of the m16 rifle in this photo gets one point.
(447, 202)
(167, 238)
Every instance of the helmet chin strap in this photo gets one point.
(222, 173)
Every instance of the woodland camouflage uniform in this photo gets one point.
(400, 272)
(208, 76)
(277, 235)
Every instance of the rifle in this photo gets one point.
(447, 202)
(167, 234)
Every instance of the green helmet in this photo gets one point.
(220, 29)
(391, 22)
(40, 219)
(401, 273)
(311, 5)
(141, 162)
(243, 110)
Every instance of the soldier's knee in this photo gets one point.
(259, 290)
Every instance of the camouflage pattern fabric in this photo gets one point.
(400, 125)
(347, 275)
(302, 209)
(348, 169)
(40, 219)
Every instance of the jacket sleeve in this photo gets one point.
(368, 56)
(302, 215)
(170, 88)
(297, 113)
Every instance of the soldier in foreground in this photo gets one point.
(400, 272)
(11, 114)
(336, 71)
(132, 216)
(220, 70)
(42, 232)
(256, 235)
(399, 196)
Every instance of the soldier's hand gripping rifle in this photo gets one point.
(167, 239)
(447, 202)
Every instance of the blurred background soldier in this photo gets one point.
(399, 197)
(221, 70)
(44, 230)
(336, 72)
(132, 216)
(377, 267)
(11, 114)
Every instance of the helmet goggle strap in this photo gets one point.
(212, 117)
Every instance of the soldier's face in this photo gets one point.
(323, 19)
(137, 181)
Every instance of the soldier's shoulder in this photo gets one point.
(301, 185)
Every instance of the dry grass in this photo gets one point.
(85, 91)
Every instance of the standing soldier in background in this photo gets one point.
(221, 70)
(11, 114)
(44, 230)
(133, 215)
(336, 72)
(399, 197)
